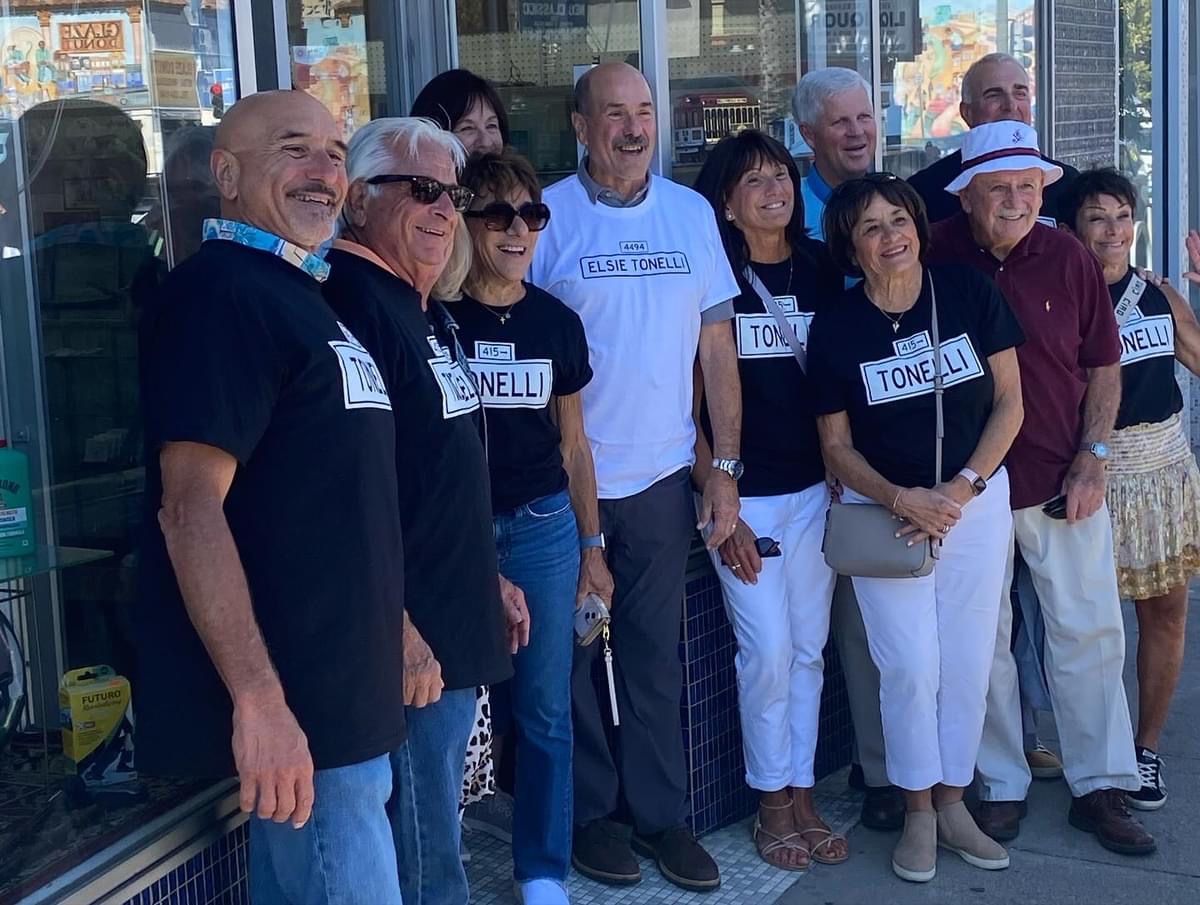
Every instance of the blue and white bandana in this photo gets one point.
(260, 239)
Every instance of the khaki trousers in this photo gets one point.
(1075, 577)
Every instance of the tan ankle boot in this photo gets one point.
(958, 832)
(915, 856)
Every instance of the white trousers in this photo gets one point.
(781, 625)
(1075, 577)
(932, 638)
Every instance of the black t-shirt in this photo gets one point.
(883, 379)
(241, 352)
(780, 448)
(451, 587)
(931, 183)
(1149, 391)
(539, 352)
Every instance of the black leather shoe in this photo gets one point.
(856, 780)
(1000, 819)
(681, 859)
(600, 851)
(883, 809)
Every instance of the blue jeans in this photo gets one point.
(343, 856)
(428, 771)
(538, 550)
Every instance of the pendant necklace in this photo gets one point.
(895, 320)
(502, 316)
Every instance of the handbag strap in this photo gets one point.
(781, 320)
(938, 384)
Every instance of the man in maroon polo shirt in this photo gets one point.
(1070, 380)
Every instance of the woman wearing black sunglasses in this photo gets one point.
(777, 587)
(529, 356)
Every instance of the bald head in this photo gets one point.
(600, 81)
(279, 163)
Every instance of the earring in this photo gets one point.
(729, 215)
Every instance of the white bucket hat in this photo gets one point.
(1000, 147)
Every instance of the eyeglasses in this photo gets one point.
(499, 215)
(427, 190)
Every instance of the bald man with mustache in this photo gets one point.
(270, 605)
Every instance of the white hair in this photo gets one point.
(816, 88)
(372, 152)
(967, 90)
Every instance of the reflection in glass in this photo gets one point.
(1136, 119)
(927, 48)
(734, 65)
(533, 53)
(333, 60)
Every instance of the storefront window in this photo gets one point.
(337, 57)
(533, 53)
(1136, 121)
(927, 47)
(107, 114)
(734, 65)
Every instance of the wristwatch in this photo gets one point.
(592, 542)
(978, 484)
(731, 467)
(1099, 450)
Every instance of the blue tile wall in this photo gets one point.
(215, 876)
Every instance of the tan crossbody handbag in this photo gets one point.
(860, 538)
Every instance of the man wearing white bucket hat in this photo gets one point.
(1070, 379)
(996, 87)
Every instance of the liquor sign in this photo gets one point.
(537, 15)
(847, 26)
(105, 36)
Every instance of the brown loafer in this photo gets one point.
(1105, 814)
(1000, 819)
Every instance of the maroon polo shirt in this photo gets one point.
(1057, 291)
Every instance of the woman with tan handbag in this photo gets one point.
(923, 438)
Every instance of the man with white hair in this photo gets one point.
(996, 87)
(1071, 383)
(837, 119)
(833, 108)
(400, 249)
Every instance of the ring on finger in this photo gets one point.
(736, 566)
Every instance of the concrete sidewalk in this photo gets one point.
(1052, 862)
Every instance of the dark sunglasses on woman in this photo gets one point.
(427, 190)
(499, 215)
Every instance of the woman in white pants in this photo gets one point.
(872, 370)
(777, 587)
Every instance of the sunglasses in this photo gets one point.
(499, 215)
(767, 546)
(427, 190)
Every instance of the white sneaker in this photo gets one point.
(541, 892)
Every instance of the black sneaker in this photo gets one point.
(1153, 793)
(600, 851)
(680, 858)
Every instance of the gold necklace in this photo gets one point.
(505, 316)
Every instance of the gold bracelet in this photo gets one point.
(897, 499)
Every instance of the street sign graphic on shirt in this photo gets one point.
(458, 391)
(362, 384)
(911, 371)
(1146, 337)
(634, 259)
(759, 336)
(505, 382)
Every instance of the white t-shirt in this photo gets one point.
(639, 277)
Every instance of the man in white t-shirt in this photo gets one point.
(641, 262)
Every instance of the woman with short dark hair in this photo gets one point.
(1153, 483)
(463, 103)
(776, 585)
(529, 357)
(874, 369)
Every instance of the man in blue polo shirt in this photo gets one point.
(833, 109)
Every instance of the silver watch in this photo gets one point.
(731, 467)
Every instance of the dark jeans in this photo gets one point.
(649, 535)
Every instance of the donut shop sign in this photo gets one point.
(103, 36)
